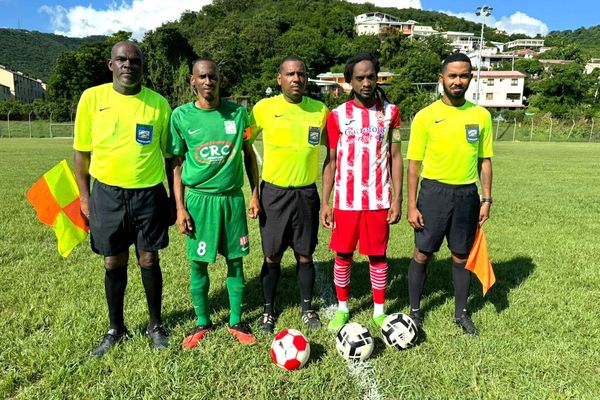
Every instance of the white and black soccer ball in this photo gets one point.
(399, 331)
(354, 342)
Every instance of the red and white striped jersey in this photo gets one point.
(362, 138)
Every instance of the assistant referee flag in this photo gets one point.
(55, 198)
(479, 262)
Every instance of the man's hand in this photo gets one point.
(185, 223)
(326, 216)
(84, 206)
(394, 214)
(484, 212)
(414, 218)
(253, 208)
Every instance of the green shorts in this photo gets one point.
(219, 226)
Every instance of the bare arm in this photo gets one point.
(413, 216)
(184, 220)
(82, 175)
(395, 211)
(484, 167)
(172, 205)
(252, 173)
(329, 168)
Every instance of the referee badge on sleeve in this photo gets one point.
(314, 135)
(472, 132)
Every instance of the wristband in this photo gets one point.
(486, 200)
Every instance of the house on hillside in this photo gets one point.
(498, 90)
(20, 87)
(464, 42)
(336, 83)
(376, 23)
(592, 65)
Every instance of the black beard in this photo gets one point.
(452, 96)
(209, 97)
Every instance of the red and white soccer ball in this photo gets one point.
(290, 349)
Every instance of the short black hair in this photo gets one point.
(349, 68)
(202, 59)
(292, 57)
(456, 57)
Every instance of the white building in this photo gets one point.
(424, 30)
(490, 58)
(464, 42)
(525, 43)
(498, 89)
(592, 65)
(375, 23)
(328, 81)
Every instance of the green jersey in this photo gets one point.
(211, 142)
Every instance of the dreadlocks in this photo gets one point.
(349, 71)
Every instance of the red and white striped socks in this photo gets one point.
(341, 278)
(378, 272)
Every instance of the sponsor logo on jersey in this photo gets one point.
(193, 132)
(214, 152)
(230, 128)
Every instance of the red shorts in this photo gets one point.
(369, 228)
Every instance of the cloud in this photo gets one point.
(516, 23)
(522, 23)
(137, 16)
(392, 3)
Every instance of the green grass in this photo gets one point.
(540, 326)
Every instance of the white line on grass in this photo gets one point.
(362, 371)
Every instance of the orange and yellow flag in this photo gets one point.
(55, 198)
(479, 262)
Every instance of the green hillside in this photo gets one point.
(586, 38)
(34, 53)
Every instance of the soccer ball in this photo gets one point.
(399, 331)
(290, 349)
(354, 342)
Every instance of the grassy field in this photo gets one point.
(540, 323)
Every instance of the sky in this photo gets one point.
(103, 17)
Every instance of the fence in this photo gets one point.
(34, 128)
(543, 129)
(547, 129)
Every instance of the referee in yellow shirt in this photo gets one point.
(293, 127)
(450, 147)
(120, 140)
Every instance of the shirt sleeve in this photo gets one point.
(246, 127)
(486, 143)
(333, 129)
(83, 125)
(418, 138)
(324, 138)
(175, 142)
(254, 123)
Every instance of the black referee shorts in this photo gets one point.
(450, 211)
(122, 217)
(289, 217)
